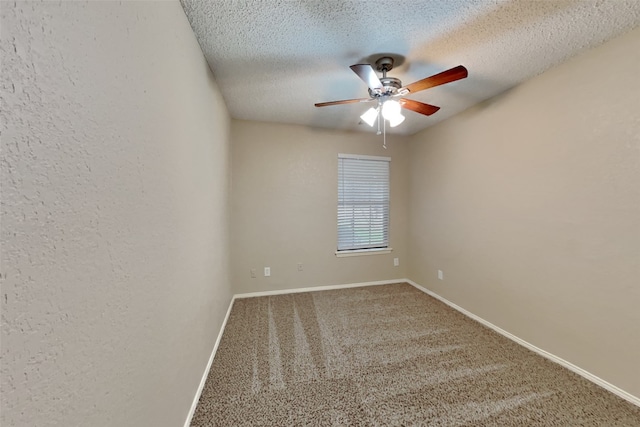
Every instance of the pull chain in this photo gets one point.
(384, 134)
(384, 124)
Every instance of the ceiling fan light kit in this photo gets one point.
(396, 120)
(391, 109)
(385, 89)
(370, 116)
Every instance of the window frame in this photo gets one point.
(386, 206)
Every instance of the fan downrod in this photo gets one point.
(390, 84)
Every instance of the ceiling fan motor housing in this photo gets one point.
(390, 86)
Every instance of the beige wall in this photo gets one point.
(530, 204)
(115, 174)
(284, 202)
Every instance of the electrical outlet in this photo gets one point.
(267, 271)
(253, 273)
(440, 275)
(299, 266)
(396, 262)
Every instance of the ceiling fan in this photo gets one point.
(385, 89)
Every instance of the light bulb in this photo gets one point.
(390, 109)
(370, 116)
(395, 121)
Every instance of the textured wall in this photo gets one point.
(284, 204)
(115, 175)
(530, 204)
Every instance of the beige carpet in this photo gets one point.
(387, 355)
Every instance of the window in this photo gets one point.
(363, 203)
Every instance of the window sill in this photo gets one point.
(362, 252)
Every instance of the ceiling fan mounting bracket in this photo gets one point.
(384, 64)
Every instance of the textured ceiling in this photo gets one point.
(273, 59)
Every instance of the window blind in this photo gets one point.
(363, 202)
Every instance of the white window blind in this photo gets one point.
(363, 202)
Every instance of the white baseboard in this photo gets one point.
(317, 288)
(196, 399)
(597, 380)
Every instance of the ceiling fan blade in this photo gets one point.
(418, 107)
(368, 75)
(344, 101)
(455, 73)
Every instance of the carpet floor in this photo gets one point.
(387, 355)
